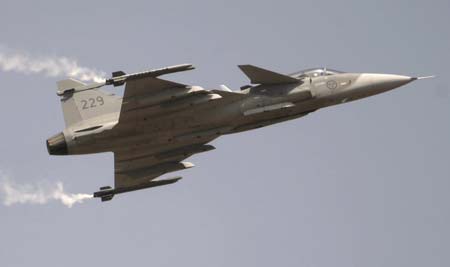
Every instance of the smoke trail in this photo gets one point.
(37, 194)
(17, 61)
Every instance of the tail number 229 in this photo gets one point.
(92, 102)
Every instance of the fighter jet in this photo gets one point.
(159, 123)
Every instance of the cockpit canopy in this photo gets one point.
(315, 72)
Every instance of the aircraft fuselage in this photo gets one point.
(259, 106)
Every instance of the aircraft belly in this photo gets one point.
(188, 126)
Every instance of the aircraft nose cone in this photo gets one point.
(392, 81)
(383, 82)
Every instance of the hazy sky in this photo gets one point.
(361, 184)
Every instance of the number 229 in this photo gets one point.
(92, 102)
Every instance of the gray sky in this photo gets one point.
(361, 184)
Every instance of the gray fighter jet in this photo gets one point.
(159, 123)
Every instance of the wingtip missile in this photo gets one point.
(80, 88)
(107, 193)
(119, 77)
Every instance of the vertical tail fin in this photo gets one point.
(84, 105)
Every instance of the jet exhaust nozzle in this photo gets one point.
(57, 145)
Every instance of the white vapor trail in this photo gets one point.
(22, 62)
(13, 193)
